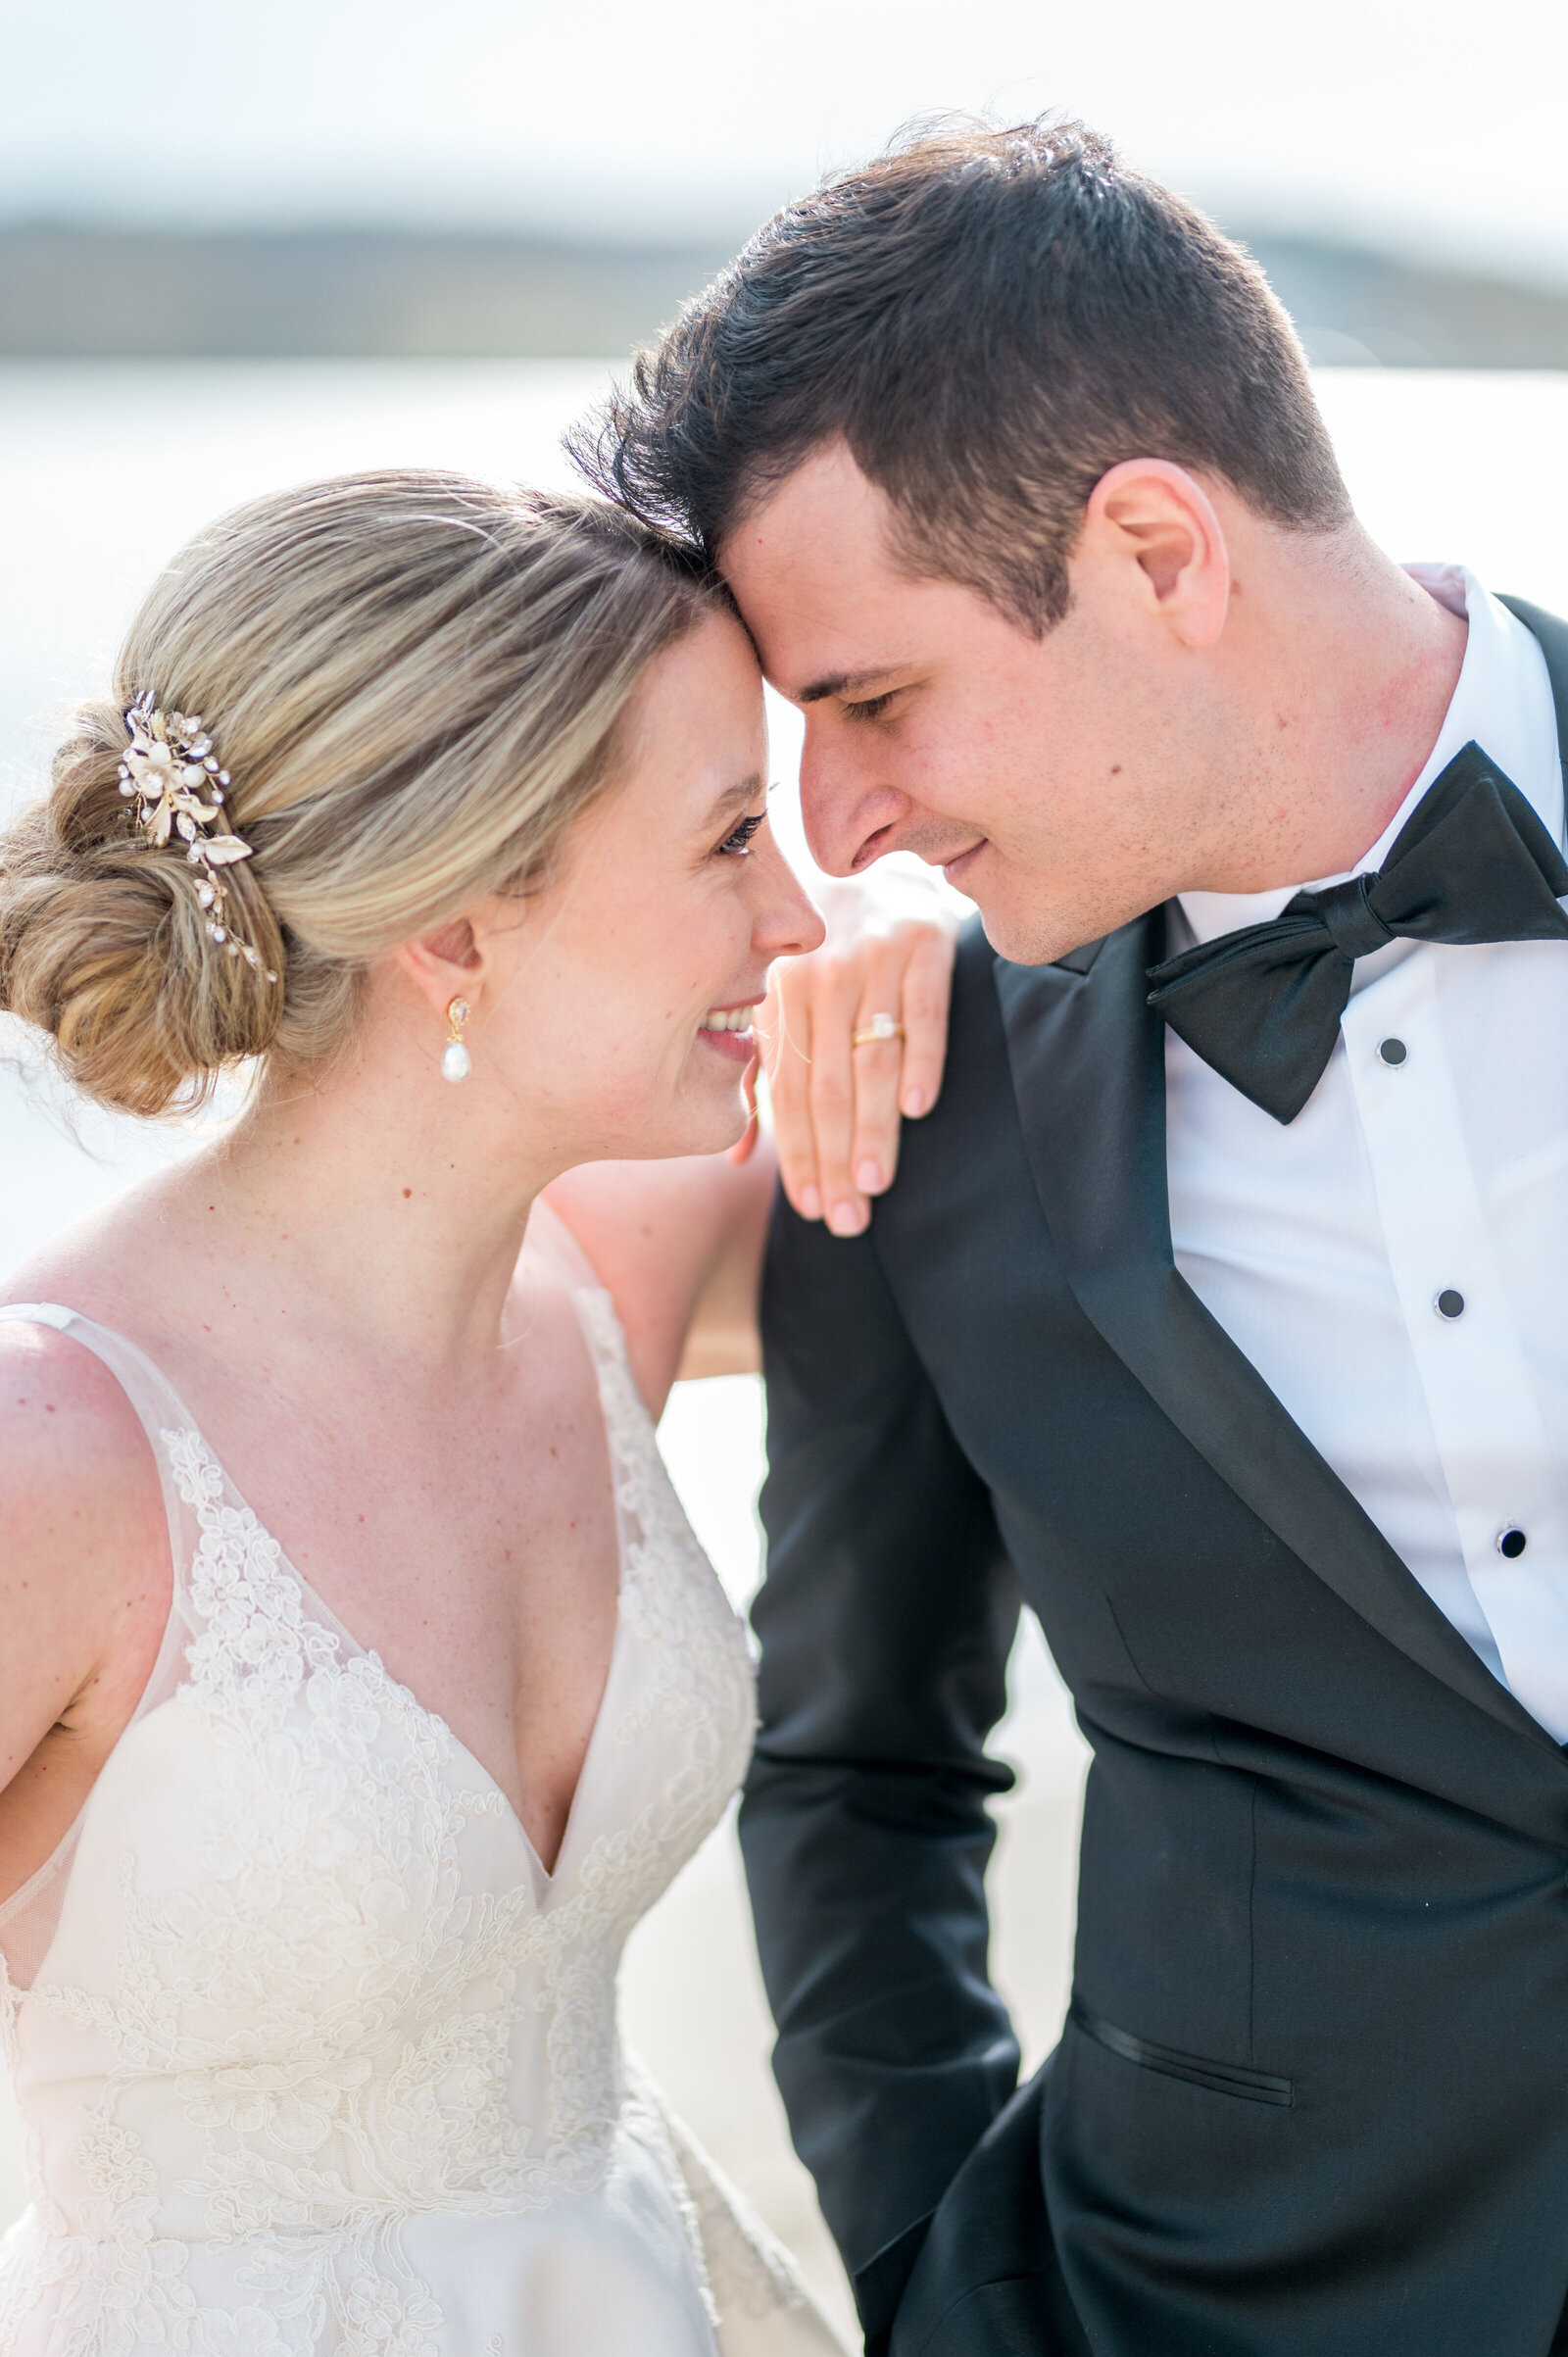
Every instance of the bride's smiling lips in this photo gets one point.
(729, 1029)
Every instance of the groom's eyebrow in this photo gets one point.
(842, 683)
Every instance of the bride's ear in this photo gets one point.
(444, 964)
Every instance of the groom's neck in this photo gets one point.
(1344, 670)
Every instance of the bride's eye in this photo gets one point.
(739, 843)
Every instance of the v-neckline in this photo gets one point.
(335, 1625)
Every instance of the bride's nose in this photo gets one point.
(784, 923)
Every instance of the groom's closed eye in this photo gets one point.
(848, 688)
(871, 708)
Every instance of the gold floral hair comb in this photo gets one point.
(169, 767)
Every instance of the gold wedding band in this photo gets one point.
(880, 1027)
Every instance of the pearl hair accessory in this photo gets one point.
(169, 767)
(456, 1061)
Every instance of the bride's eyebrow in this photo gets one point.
(734, 798)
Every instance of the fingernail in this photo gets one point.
(914, 1104)
(810, 1203)
(867, 1177)
(844, 1220)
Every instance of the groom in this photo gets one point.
(1219, 1310)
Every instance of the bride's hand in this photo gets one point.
(837, 1108)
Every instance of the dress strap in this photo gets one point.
(597, 1314)
(27, 1918)
(549, 1232)
(626, 1418)
(162, 1413)
(637, 1470)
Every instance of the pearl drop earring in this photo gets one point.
(456, 1061)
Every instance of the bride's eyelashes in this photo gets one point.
(738, 844)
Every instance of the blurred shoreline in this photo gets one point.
(73, 290)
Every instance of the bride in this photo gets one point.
(362, 1684)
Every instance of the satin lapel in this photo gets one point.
(1089, 1069)
(1551, 636)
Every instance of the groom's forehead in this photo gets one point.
(822, 522)
(816, 583)
(816, 643)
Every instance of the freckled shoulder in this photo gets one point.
(85, 1565)
(60, 1409)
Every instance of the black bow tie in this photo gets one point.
(1472, 862)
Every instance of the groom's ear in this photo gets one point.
(1153, 535)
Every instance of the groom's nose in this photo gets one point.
(851, 816)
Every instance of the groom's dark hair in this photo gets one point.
(990, 318)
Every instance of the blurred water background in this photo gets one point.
(104, 468)
(244, 245)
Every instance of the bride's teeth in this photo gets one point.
(727, 1019)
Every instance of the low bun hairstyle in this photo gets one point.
(414, 683)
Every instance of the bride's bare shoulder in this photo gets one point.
(72, 1453)
(84, 1561)
(65, 1421)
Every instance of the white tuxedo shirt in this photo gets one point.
(1322, 1246)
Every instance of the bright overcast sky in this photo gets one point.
(1412, 120)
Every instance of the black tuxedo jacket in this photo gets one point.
(1312, 2096)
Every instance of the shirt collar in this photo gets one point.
(1502, 700)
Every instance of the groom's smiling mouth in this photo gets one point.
(929, 839)
(957, 867)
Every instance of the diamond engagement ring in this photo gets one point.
(880, 1027)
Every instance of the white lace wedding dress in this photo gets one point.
(312, 2055)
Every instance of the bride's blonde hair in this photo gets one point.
(414, 681)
